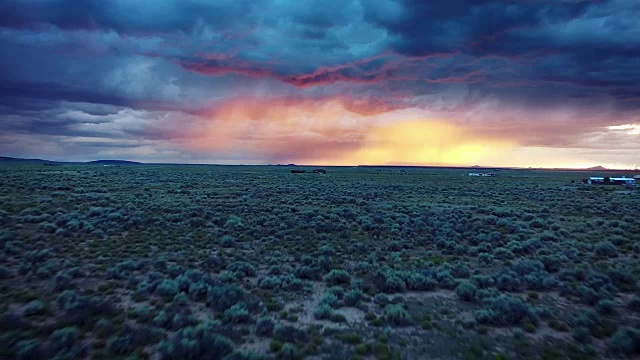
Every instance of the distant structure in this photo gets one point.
(611, 180)
(315, 171)
(482, 174)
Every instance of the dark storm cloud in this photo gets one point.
(149, 69)
(431, 27)
(41, 125)
(127, 17)
(12, 92)
(589, 45)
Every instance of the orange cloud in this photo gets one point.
(330, 132)
(282, 129)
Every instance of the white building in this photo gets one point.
(482, 174)
(611, 181)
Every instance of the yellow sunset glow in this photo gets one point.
(422, 142)
(329, 132)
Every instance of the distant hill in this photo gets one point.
(6, 159)
(25, 161)
(597, 168)
(114, 162)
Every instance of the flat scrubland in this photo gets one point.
(241, 262)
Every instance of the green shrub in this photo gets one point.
(466, 291)
(223, 296)
(282, 282)
(353, 296)
(508, 282)
(634, 303)
(505, 309)
(195, 343)
(288, 352)
(529, 327)
(34, 307)
(247, 355)
(362, 349)
(141, 312)
(242, 268)
(351, 338)
(167, 288)
(265, 326)
(323, 312)
(327, 250)
(381, 299)
(338, 277)
(483, 281)
(63, 339)
(131, 338)
(32, 350)
(275, 346)
(227, 241)
(581, 335)
(5, 273)
(291, 334)
(329, 299)
(388, 281)
(395, 314)
(606, 306)
(558, 325)
(307, 273)
(338, 318)
(625, 340)
(161, 319)
(103, 328)
(237, 314)
(606, 249)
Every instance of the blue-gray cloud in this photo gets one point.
(125, 17)
(179, 59)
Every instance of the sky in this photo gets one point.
(529, 83)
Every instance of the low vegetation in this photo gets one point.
(190, 262)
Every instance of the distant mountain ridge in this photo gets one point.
(11, 159)
(116, 162)
(7, 159)
(113, 162)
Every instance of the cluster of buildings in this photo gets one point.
(606, 180)
(315, 171)
(483, 174)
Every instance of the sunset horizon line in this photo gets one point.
(389, 165)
